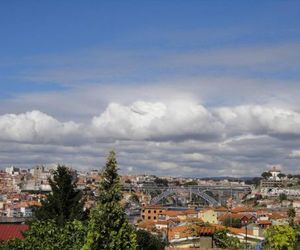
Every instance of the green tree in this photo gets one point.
(232, 222)
(266, 175)
(282, 197)
(280, 237)
(148, 241)
(191, 183)
(47, 235)
(291, 216)
(161, 182)
(108, 226)
(222, 240)
(64, 203)
(281, 175)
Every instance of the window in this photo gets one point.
(154, 217)
(149, 211)
(154, 211)
(143, 217)
(149, 217)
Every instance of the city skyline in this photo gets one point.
(177, 88)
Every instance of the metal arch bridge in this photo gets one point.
(198, 192)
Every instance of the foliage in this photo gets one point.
(64, 203)
(161, 182)
(266, 175)
(191, 183)
(108, 226)
(254, 181)
(280, 237)
(281, 175)
(291, 216)
(222, 240)
(282, 197)
(148, 241)
(47, 235)
(13, 244)
(232, 222)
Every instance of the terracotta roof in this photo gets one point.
(276, 216)
(174, 213)
(264, 222)
(162, 222)
(220, 209)
(185, 231)
(233, 229)
(10, 231)
(153, 207)
(147, 225)
(242, 209)
(235, 216)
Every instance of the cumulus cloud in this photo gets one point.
(157, 121)
(36, 127)
(164, 137)
(259, 120)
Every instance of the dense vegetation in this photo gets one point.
(60, 222)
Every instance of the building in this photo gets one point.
(208, 216)
(12, 231)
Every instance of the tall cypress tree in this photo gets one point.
(64, 203)
(108, 226)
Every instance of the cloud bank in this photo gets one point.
(171, 137)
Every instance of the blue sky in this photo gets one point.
(135, 74)
(35, 29)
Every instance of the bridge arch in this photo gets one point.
(169, 191)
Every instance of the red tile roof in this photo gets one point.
(10, 231)
(264, 222)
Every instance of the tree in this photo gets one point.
(282, 197)
(291, 216)
(280, 237)
(281, 175)
(266, 175)
(232, 222)
(148, 241)
(161, 182)
(64, 203)
(191, 183)
(222, 240)
(108, 226)
(47, 235)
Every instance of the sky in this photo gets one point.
(180, 88)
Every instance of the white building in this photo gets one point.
(275, 172)
(12, 170)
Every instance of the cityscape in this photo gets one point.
(150, 125)
(170, 206)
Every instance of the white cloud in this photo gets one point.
(260, 120)
(295, 154)
(158, 121)
(36, 127)
(158, 137)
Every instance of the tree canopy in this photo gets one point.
(266, 175)
(64, 203)
(47, 235)
(280, 237)
(108, 226)
(148, 241)
(232, 222)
